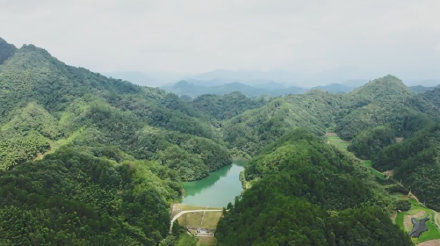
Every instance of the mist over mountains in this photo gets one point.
(111, 157)
(254, 83)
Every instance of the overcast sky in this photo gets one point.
(354, 39)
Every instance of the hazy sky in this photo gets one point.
(358, 39)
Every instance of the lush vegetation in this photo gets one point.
(226, 106)
(433, 96)
(367, 144)
(186, 240)
(6, 50)
(89, 160)
(415, 162)
(85, 159)
(253, 129)
(71, 197)
(45, 102)
(382, 101)
(418, 211)
(308, 193)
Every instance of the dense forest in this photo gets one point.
(60, 104)
(416, 163)
(308, 193)
(86, 159)
(89, 160)
(71, 197)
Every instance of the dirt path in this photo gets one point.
(191, 211)
(410, 194)
(435, 242)
(407, 219)
(437, 219)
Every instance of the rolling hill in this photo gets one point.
(86, 159)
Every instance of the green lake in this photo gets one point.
(216, 190)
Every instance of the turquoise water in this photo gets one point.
(216, 190)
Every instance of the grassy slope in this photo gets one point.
(342, 146)
(434, 218)
(433, 229)
(188, 240)
(195, 219)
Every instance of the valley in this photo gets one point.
(400, 217)
(203, 200)
(91, 160)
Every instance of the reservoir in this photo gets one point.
(216, 190)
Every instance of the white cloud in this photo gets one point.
(372, 37)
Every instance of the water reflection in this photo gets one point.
(195, 187)
(216, 190)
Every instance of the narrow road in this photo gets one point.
(191, 211)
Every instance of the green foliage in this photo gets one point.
(416, 164)
(308, 193)
(32, 75)
(256, 128)
(74, 198)
(186, 240)
(188, 166)
(403, 205)
(397, 188)
(340, 183)
(91, 187)
(221, 107)
(368, 226)
(46, 102)
(28, 134)
(34, 118)
(17, 148)
(433, 96)
(382, 101)
(368, 143)
(6, 50)
(433, 231)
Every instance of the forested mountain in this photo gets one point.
(46, 102)
(91, 160)
(223, 107)
(367, 144)
(382, 101)
(86, 159)
(416, 163)
(433, 96)
(307, 193)
(335, 88)
(253, 129)
(195, 89)
(74, 198)
(6, 50)
(423, 89)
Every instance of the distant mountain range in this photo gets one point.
(249, 83)
(193, 90)
(196, 88)
(422, 89)
(109, 157)
(335, 88)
